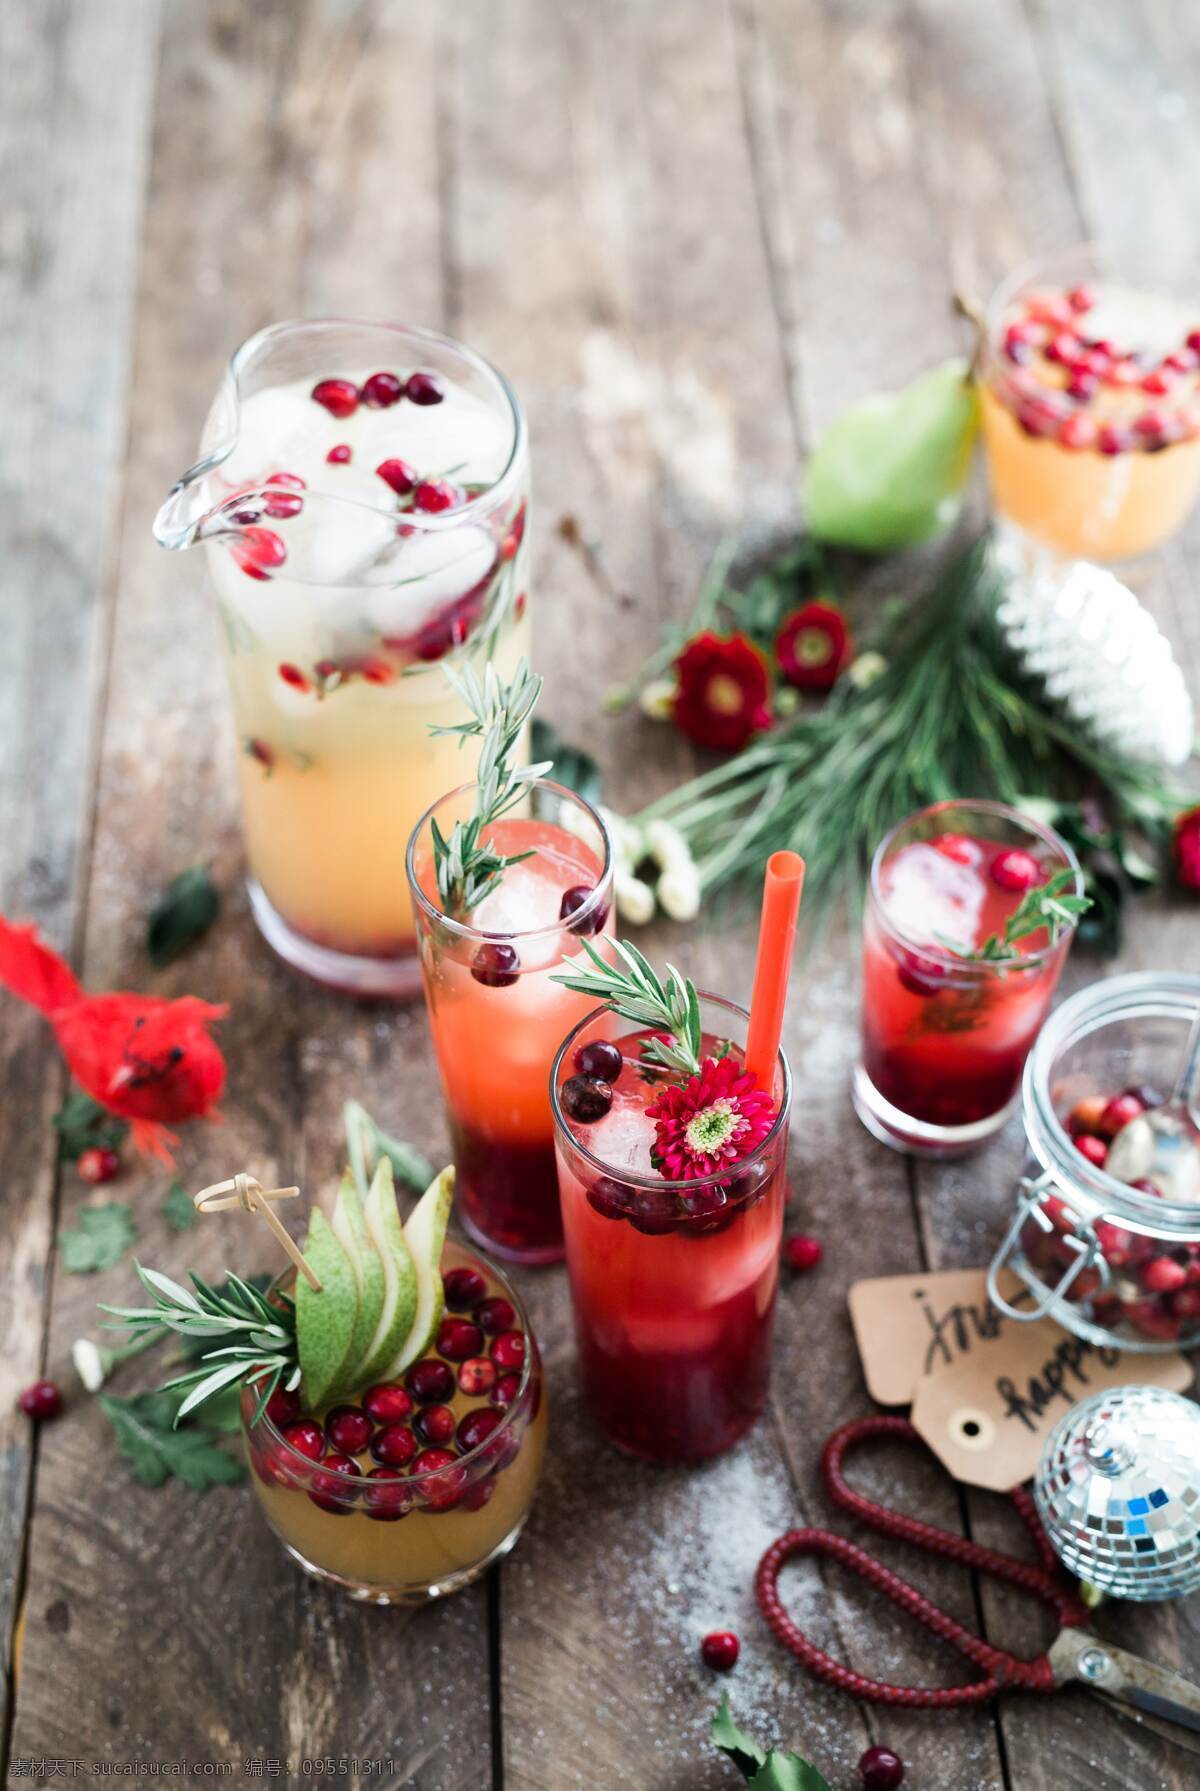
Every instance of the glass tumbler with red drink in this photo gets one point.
(970, 915)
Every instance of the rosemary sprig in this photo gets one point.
(252, 1337)
(1046, 907)
(633, 989)
(467, 868)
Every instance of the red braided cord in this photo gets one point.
(1001, 1670)
(1042, 1580)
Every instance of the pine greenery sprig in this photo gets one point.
(467, 868)
(633, 989)
(949, 714)
(1047, 907)
(252, 1338)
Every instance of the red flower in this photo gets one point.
(724, 691)
(813, 645)
(1187, 848)
(713, 1120)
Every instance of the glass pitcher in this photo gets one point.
(362, 496)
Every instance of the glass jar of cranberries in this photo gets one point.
(1115, 1262)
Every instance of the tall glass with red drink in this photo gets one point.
(672, 1281)
(946, 1022)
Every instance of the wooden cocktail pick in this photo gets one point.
(247, 1193)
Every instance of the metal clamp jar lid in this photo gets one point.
(1113, 1263)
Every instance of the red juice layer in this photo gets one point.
(945, 1042)
(508, 1193)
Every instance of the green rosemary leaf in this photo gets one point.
(178, 1210)
(185, 911)
(633, 989)
(99, 1239)
(82, 1123)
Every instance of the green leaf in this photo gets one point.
(82, 1123)
(185, 910)
(573, 766)
(155, 1450)
(888, 472)
(742, 1749)
(774, 1771)
(788, 1772)
(99, 1239)
(178, 1210)
(366, 1142)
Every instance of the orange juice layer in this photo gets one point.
(495, 1046)
(424, 1547)
(350, 774)
(1083, 503)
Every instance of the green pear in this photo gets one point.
(889, 471)
(350, 1225)
(325, 1321)
(399, 1306)
(424, 1234)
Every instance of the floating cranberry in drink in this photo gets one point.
(969, 919)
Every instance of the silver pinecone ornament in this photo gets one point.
(1102, 656)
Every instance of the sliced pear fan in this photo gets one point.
(325, 1321)
(350, 1227)
(399, 1305)
(424, 1235)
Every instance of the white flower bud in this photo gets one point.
(667, 846)
(864, 670)
(657, 699)
(90, 1364)
(679, 891)
(635, 899)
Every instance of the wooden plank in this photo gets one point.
(67, 275)
(177, 1621)
(992, 141)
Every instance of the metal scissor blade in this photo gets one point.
(1165, 1700)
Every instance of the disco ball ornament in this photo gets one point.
(1118, 1492)
(1102, 656)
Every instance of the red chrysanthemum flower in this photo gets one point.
(813, 645)
(724, 694)
(1187, 848)
(712, 1121)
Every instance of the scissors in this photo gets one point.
(1151, 1694)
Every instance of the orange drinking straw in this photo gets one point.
(773, 967)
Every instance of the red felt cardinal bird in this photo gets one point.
(150, 1061)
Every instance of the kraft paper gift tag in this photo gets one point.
(986, 1390)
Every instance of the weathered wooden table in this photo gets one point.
(689, 230)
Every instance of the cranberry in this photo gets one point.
(382, 390)
(257, 552)
(430, 1382)
(388, 1499)
(349, 1429)
(1083, 388)
(1078, 432)
(258, 749)
(98, 1164)
(959, 847)
(1119, 1112)
(803, 1252)
(479, 1494)
(1115, 1242)
(458, 1338)
(339, 454)
(608, 1198)
(495, 1315)
(434, 1424)
(329, 1489)
(291, 674)
(920, 976)
(748, 1184)
(880, 1769)
(1016, 870)
(1062, 348)
(1163, 1275)
(709, 1210)
(339, 396)
(601, 1058)
(1037, 416)
(496, 965)
(438, 494)
(654, 1213)
(282, 1407)
(508, 1349)
(463, 1288)
(1016, 342)
(284, 503)
(1145, 1186)
(576, 898)
(1158, 383)
(477, 1375)
(444, 1478)
(475, 1427)
(387, 1403)
(1112, 440)
(42, 1400)
(505, 1391)
(399, 475)
(1093, 1148)
(424, 388)
(720, 1650)
(585, 1099)
(306, 1438)
(1080, 298)
(394, 1446)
